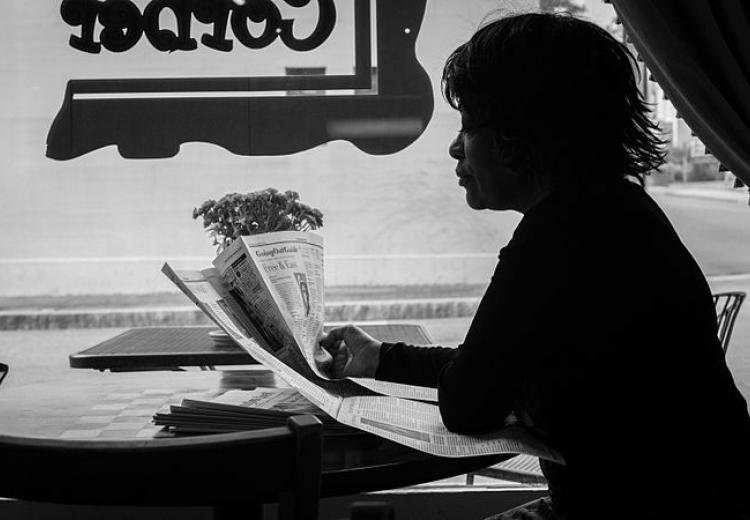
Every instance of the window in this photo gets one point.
(96, 212)
(86, 218)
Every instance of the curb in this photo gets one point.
(188, 315)
(724, 196)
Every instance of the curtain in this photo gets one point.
(699, 52)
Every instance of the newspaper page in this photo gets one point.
(204, 288)
(279, 276)
(207, 289)
(284, 399)
(419, 426)
(413, 392)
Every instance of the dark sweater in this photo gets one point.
(598, 330)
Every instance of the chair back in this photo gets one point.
(727, 305)
(235, 472)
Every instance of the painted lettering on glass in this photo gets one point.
(123, 24)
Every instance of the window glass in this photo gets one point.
(99, 222)
(103, 223)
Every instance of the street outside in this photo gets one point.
(717, 232)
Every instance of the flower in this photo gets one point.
(235, 215)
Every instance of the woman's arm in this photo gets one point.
(479, 382)
(413, 365)
(357, 354)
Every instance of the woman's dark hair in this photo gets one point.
(561, 95)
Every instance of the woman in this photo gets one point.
(598, 328)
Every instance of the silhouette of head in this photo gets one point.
(560, 94)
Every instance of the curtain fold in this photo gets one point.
(699, 52)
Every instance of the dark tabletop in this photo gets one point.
(148, 348)
(119, 406)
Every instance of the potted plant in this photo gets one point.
(237, 214)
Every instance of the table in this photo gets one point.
(149, 348)
(119, 406)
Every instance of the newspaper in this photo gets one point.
(414, 392)
(266, 292)
(209, 292)
(267, 399)
(279, 278)
(242, 410)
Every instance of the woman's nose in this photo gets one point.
(456, 148)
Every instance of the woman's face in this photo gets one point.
(489, 184)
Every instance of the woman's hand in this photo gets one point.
(355, 353)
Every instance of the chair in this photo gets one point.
(727, 305)
(3, 371)
(235, 473)
(525, 468)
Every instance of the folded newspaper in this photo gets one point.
(241, 410)
(266, 292)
